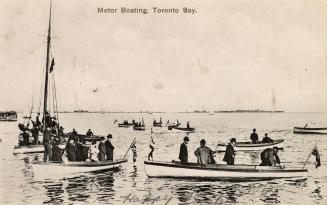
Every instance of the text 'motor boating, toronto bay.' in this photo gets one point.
(152, 10)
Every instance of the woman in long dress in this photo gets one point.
(93, 152)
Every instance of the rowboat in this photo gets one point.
(249, 146)
(139, 128)
(157, 169)
(28, 149)
(52, 169)
(123, 125)
(310, 130)
(189, 129)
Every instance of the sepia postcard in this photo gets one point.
(163, 102)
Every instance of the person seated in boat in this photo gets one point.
(188, 124)
(183, 153)
(230, 152)
(267, 139)
(93, 152)
(204, 154)
(89, 133)
(102, 151)
(73, 135)
(79, 150)
(109, 148)
(254, 137)
(154, 121)
(269, 156)
(35, 134)
(71, 150)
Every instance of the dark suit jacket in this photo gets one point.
(229, 154)
(183, 154)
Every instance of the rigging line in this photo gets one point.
(55, 94)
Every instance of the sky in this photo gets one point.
(242, 54)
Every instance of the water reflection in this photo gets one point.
(81, 188)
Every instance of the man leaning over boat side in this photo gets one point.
(204, 154)
(230, 152)
(267, 139)
(183, 153)
(269, 157)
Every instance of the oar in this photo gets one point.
(129, 148)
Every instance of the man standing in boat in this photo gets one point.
(102, 150)
(269, 157)
(254, 137)
(47, 145)
(204, 154)
(183, 153)
(230, 152)
(109, 148)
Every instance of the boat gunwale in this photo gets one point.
(311, 128)
(252, 168)
(81, 164)
(249, 144)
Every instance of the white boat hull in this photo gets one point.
(57, 169)
(250, 147)
(299, 130)
(219, 172)
(28, 149)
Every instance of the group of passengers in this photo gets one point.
(77, 149)
(255, 139)
(205, 155)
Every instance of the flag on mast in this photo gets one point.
(315, 153)
(51, 66)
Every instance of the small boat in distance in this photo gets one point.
(158, 169)
(310, 130)
(157, 124)
(126, 124)
(187, 129)
(8, 116)
(249, 146)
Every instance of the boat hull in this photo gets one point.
(219, 172)
(184, 129)
(301, 130)
(245, 146)
(28, 149)
(53, 169)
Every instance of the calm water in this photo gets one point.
(131, 185)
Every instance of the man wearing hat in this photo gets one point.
(269, 156)
(204, 154)
(109, 148)
(183, 153)
(230, 152)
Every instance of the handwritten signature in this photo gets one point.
(131, 198)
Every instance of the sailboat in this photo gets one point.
(51, 125)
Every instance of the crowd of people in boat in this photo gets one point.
(205, 155)
(77, 149)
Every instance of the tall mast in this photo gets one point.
(45, 108)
